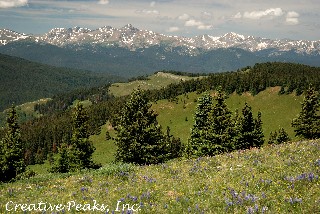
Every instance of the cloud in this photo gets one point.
(12, 3)
(237, 16)
(205, 27)
(103, 2)
(200, 25)
(206, 15)
(271, 12)
(192, 23)
(152, 4)
(184, 16)
(292, 18)
(173, 29)
(148, 12)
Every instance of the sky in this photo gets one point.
(274, 19)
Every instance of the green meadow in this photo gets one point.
(274, 179)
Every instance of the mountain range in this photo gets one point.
(129, 51)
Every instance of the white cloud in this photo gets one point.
(200, 25)
(206, 15)
(192, 23)
(205, 27)
(148, 12)
(173, 29)
(152, 4)
(292, 18)
(293, 14)
(12, 3)
(237, 16)
(271, 12)
(184, 16)
(103, 2)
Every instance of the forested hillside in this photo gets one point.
(23, 81)
(44, 135)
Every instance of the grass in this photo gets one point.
(156, 81)
(277, 111)
(273, 179)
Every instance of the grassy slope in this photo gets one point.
(276, 179)
(155, 81)
(277, 111)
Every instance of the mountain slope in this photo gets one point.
(23, 80)
(129, 51)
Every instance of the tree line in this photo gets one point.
(41, 137)
(140, 138)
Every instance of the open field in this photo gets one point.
(273, 179)
(156, 81)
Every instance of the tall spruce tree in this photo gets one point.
(222, 126)
(139, 137)
(198, 144)
(213, 130)
(77, 154)
(307, 124)
(249, 130)
(11, 155)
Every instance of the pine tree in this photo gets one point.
(283, 136)
(307, 124)
(258, 132)
(12, 159)
(199, 140)
(222, 128)
(139, 137)
(250, 132)
(77, 154)
(278, 137)
(80, 138)
(213, 130)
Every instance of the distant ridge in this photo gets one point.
(23, 80)
(129, 51)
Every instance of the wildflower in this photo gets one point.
(83, 189)
(264, 209)
(250, 210)
(294, 200)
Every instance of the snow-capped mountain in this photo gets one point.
(129, 51)
(7, 36)
(132, 38)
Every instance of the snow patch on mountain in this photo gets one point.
(133, 38)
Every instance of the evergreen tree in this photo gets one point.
(139, 136)
(258, 132)
(278, 137)
(283, 136)
(222, 128)
(199, 140)
(213, 130)
(250, 132)
(77, 154)
(11, 155)
(80, 138)
(273, 138)
(307, 124)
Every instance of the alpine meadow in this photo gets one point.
(122, 120)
